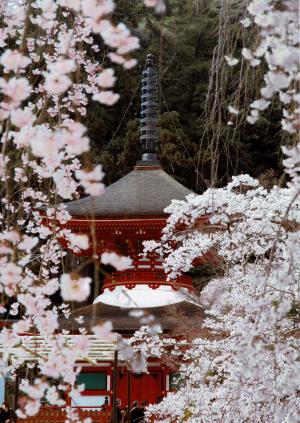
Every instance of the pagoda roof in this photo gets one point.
(147, 190)
(170, 317)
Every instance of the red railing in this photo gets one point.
(58, 415)
(153, 278)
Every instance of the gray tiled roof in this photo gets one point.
(147, 190)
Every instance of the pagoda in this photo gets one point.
(128, 213)
(132, 211)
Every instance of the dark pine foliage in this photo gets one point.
(182, 41)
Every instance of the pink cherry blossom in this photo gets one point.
(10, 277)
(56, 83)
(81, 344)
(32, 407)
(49, 143)
(65, 185)
(47, 324)
(106, 78)
(22, 117)
(8, 338)
(150, 3)
(73, 138)
(24, 137)
(44, 143)
(62, 66)
(159, 5)
(18, 89)
(106, 97)
(127, 45)
(74, 288)
(128, 64)
(91, 180)
(139, 364)
(96, 174)
(116, 58)
(93, 8)
(13, 60)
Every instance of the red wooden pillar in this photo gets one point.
(68, 398)
(128, 393)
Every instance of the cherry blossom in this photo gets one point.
(104, 331)
(91, 180)
(159, 5)
(93, 8)
(246, 22)
(22, 117)
(10, 277)
(260, 104)
(57, 83)
(74, 139)
(233, 110)
(74, 288)
(106, 78)
(78, 241)
(231, 60)
(62, 66)
(106, 97)
(119, 262)
(279, 47)
(12, 60)
(65, 185)
(18, 89)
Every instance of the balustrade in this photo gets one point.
(58, 415)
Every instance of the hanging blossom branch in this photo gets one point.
(246, 367)
(279, 50)
(48, 79)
